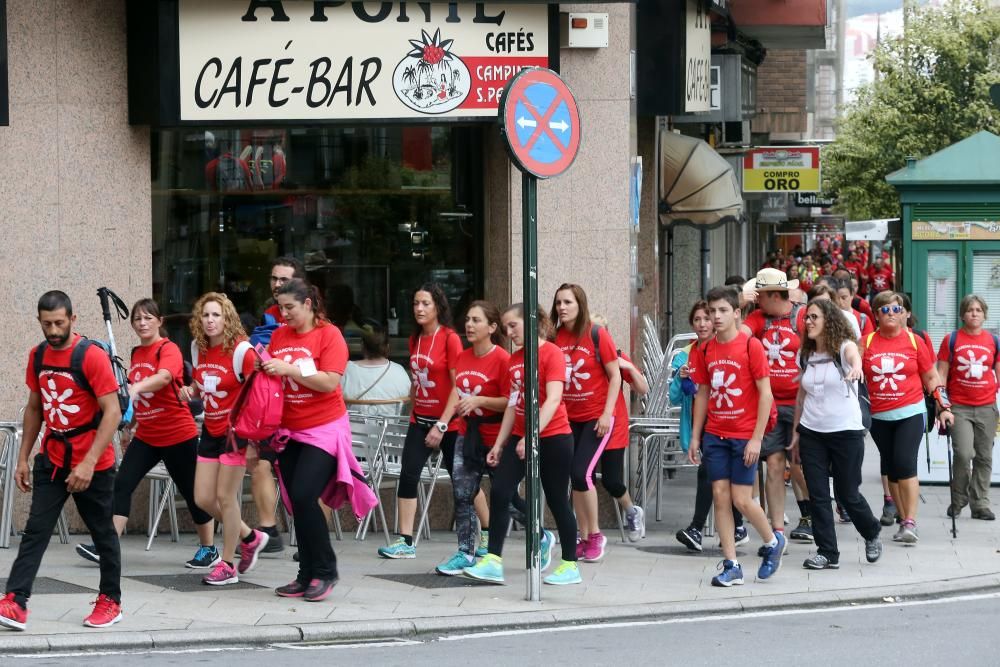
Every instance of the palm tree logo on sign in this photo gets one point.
(431, 79)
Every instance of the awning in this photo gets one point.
(697, 185)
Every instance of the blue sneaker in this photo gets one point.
(488, 569)
(484, 544)
(398, 549)
(567, 573)
(454, 565)
(772, 558)
(548, 541)
(204, 558)
(732, 575)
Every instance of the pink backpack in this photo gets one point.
(256, 414)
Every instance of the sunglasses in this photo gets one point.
(894, 309)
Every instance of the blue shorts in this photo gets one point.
(724, 460)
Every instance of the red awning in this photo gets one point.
(782, 24)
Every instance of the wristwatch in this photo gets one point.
(441, 426)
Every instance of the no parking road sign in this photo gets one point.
(541, 122)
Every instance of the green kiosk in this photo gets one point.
(951, 246)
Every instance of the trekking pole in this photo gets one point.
(927, 450)
(947, 433)
(109, 298)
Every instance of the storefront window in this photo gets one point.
(372, 212)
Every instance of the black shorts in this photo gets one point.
(211, 446)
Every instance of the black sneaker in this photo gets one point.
(274, 545)
(803, 531)
(319, 589)
(820, 562)
(842, 514)
(204, 558)
(295, 556)
(88, 552)
(690, 537)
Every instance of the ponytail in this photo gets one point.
(300, 290)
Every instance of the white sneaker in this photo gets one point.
(635, 524)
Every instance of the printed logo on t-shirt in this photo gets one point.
(466, 389)
(887, 372)
(209, 388)
(880, 282)
(516, 383)
(55, 402)
(288, 382)
(421, 376)
(142, 401)
(972, 366)
(774, 345)
(573, 373)
(722, 391)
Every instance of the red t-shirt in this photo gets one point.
(66, 406)
(585, 388)
(862, 306)
(619, 433)
(551, 368)
(781, 344)
(865, 324)
(482, 376)
(880, 279)
(730, 371)
(219, 385)
(305, 408)
(432, 358)
(893, 367)
(275, 311)
(971, 380)
(162, 419)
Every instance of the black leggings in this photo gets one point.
(555, 456)
(587, 450)
(305, 471)
(140, 457)
(415, 454)
(898, 442)
(703, 501)
(612, 472)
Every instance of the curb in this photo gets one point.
(394, 629)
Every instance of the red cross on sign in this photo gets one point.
(541, 122)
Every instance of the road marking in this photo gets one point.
(889, 602)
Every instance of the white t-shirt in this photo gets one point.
(394, 384)
(853, 321)
(830, 404)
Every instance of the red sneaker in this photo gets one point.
(106, 612)
(12, 615)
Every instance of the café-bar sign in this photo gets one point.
(256, 60)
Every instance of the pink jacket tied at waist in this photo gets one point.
(348, 483)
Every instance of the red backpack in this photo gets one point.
(257, 412)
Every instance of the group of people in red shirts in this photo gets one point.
(798, 385)
(871, 273)
(467, 402)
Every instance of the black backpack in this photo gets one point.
(76, 370)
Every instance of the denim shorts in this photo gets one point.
(723, 459)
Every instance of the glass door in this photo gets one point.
(937, 287)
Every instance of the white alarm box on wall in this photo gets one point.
(579, 30)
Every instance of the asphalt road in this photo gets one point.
(959, 631)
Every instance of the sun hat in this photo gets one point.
(770, 280)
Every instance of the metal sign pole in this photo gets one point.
(529, 232)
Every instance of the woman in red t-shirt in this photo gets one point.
(434, 349)
(164, 430)
(593, 383)
(222, 360)
(314, 439)
(613, 458)
(898, 366)
(969, 359)
(479, 400)
(555, 455)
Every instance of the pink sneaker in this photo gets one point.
(581, 548)
(594, 550)
(222, 574)
(250, 551)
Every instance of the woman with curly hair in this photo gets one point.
(829, 434)
(219, 354)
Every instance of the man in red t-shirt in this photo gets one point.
(74, 393)
(778, 324)
(262, 486)
(880, 276)
(731, 412)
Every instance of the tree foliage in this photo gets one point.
(931, 90)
